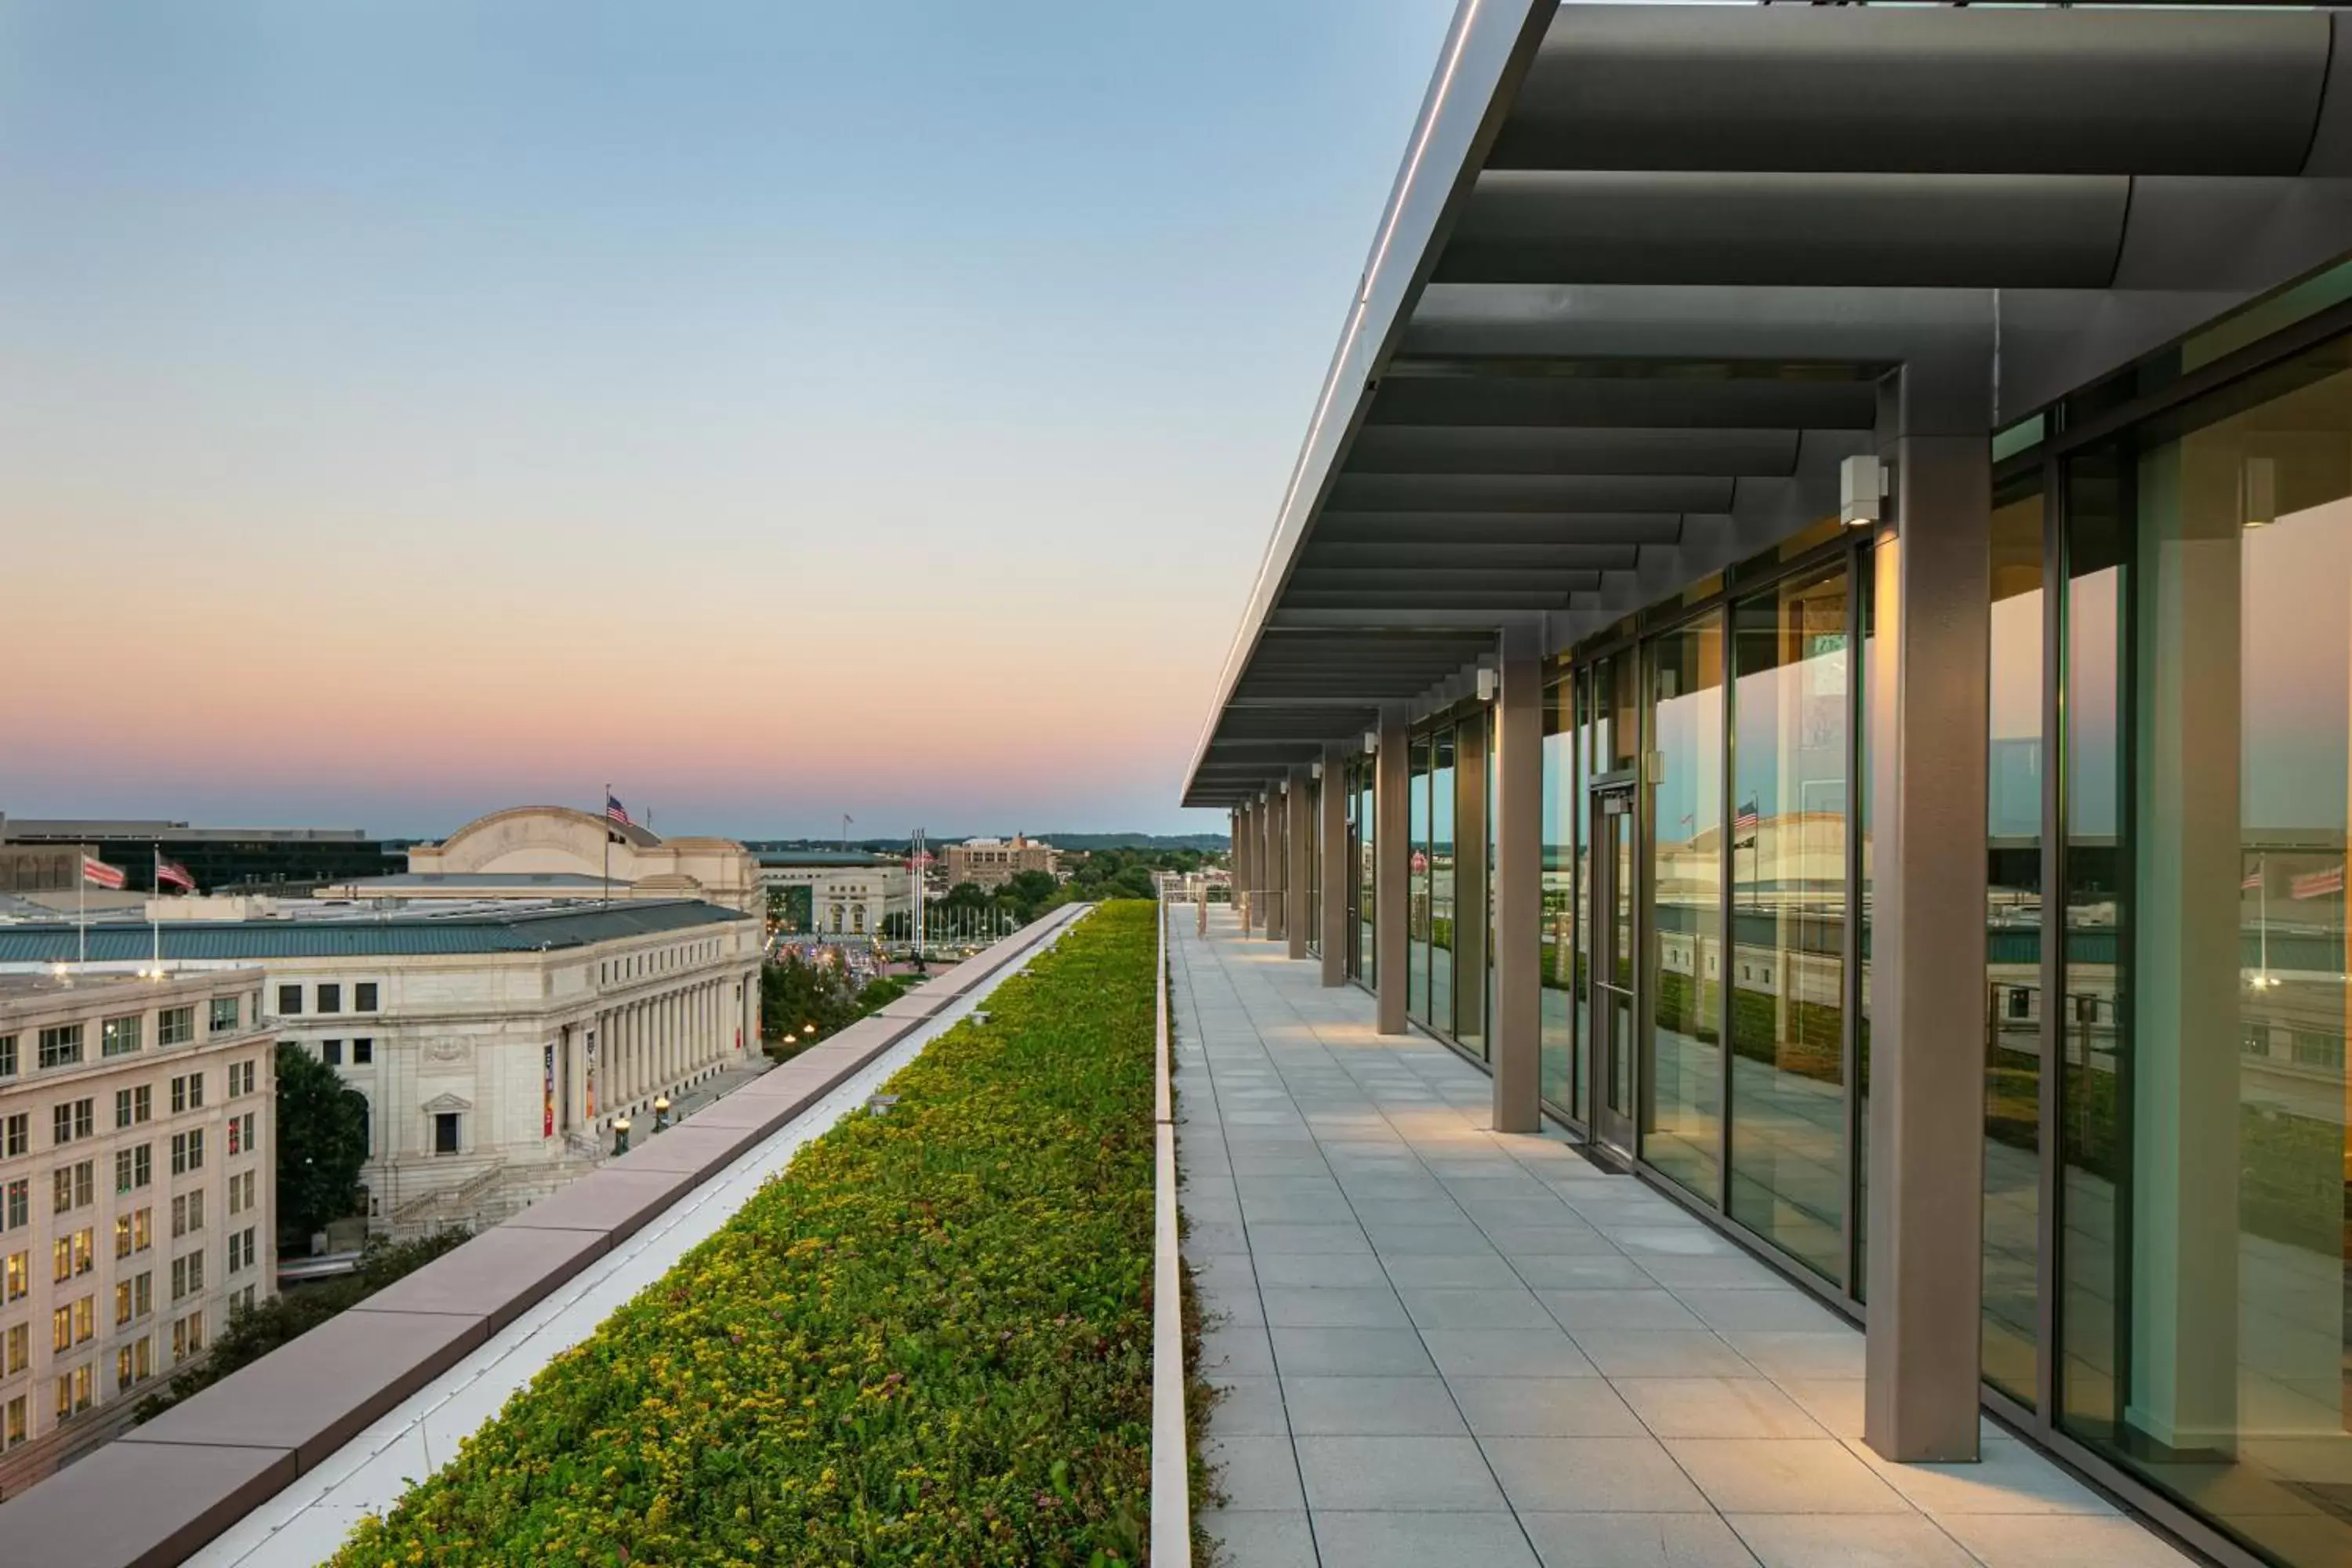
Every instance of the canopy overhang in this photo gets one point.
(1647, 272)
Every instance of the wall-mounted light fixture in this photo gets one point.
(1865, 484)
(1490, 683)
(1371, 741)
(1315, 770)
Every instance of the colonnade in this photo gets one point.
(654, 1045)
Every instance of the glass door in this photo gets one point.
(1613, 998)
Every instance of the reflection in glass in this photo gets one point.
(1416, 886)
(1683, 967)
(1787, 969)
(2012, 1176)
(1440, 842)
(1315, 867)
(1866, 590)
(1368, 968)
(1555, 1072)
(2205, 1149)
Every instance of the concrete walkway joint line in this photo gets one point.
(1442, 1346)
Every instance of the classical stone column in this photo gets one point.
(2190, 994)
(1514, 1032)
(1332, 866)
(1297, 827)
(1391, 843)
(1927, 750)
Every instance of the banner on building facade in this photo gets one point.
(548, 1131)
(588, 1076)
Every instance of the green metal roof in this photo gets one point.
(400, 935)
(859, 857)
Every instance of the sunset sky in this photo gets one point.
(408, 410)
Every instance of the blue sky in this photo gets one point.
(781, 410)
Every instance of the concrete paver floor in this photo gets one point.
(1439, 1346)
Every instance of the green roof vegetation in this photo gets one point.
(928, 1342)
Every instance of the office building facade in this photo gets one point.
(993, 862)
(494, 1042)
(138, 1201)
(1812, 636)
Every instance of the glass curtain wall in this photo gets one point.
(1367, 959)
(1439, 840)
(1610, 706)
(1557, 1027)
(1785, 975)
(1682, 1067)
(1416, 887)
(1315, 866)
(2012, 1176)
(1473, 852)
(2208, 635)
(1490, 721)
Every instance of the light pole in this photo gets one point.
(620, 1135)
(661, 1113)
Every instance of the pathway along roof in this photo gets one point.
(1646, 269)
(394, 935)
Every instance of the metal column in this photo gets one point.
(1514, 1032)
(1927, 706)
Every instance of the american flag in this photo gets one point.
(2318, 884)
(172, 874)
(97, 873)
(1747, 820)
(615, 812)
(2253, 882)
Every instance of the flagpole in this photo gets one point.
(154, 917)
(604, 893)
(81, 909)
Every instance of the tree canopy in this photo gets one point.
(322, 1142)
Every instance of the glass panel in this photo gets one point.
(2205, 1190)
(1367, 969)
(2091, 1066)
(1683, 962)
(1618, 1068)
(1441, 880)
(1416, 983)
(1315, 867)
(2012, 1176)
(1556, 1070)
(1787, 979)
(1866, 586)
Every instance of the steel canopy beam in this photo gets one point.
(1921, 90)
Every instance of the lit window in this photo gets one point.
(118, 1037)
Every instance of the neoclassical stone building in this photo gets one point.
(555, 852)
(495, 1040)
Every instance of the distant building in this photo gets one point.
(36, 854)
(495, 1040)
(849, 892)
(138, 1198)
(555, 852)
(993, 862)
